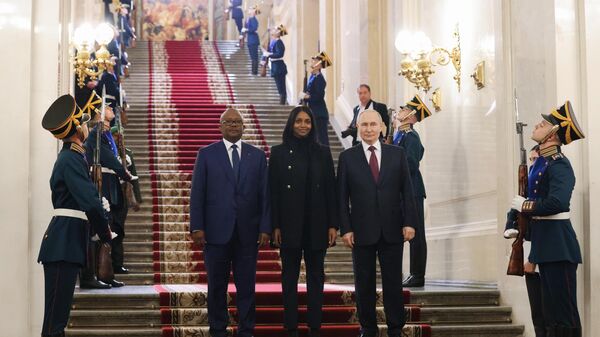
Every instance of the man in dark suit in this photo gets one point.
(230, 215)
(76, 203)
(408, 138)
(554, 245)
(364, 96)
(374, 178)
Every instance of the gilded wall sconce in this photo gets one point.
(420, 58)
(436, 99)
(479, 75)
(84, 40)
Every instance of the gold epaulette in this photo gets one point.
(552, 152)
(77, 148)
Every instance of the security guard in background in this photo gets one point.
(250, 29)
(75, 201)
(278, 67)
(407, 137)
(554, 245)
(112, 173)
(315, 95)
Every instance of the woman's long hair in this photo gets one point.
(288, 131)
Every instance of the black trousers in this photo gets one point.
(219, 261)
(59, 279)
(253, 51)
(559, 295)
(418, 245)
(534, 292)
(118, 216)
(363, 258)
(322, 124)
(315, 278)
(280, 83)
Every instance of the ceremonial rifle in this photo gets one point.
(304, 84)
(517, 260)
(105, 271)
(120, 138)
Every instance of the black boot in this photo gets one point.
(414, 281)
(314, 332)
(87, 275)
(120, 270)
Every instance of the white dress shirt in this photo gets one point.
(230, 150)
(377, 151)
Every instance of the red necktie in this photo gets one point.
(373, 164)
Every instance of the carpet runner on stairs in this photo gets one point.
(188, 91)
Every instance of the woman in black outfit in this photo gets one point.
(302, 183)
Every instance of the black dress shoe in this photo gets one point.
(414, 281)
(93, 284)
(120, 270)
(116, 284)
(314, 333)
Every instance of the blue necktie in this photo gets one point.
(235, 161)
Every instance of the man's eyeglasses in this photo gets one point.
(232, 123)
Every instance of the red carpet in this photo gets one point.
(189, 91)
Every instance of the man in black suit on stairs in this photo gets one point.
(365, 103)
(374, 178)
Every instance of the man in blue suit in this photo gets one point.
(230, 218)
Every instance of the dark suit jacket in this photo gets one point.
(278, 68)
(554, 240)
(372, 210)
(66, 238)
(111, 186)
(252, 36)
(218, 204)
(411, 142)
(379, 107)
(316, 90)
(290, 192)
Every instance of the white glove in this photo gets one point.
(511, 233)
(301, 95)
(244, 30)
(517, 203)
(134, 178)
(267, 54)
(97, 238)
(128, 160)
(105, 205)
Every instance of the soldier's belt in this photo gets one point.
(559, 216)
(279, 59)
(71, 213)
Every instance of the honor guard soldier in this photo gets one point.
(278, 67)
(75, 201)
(554, 246)
(407, 137)
(110, 81)
(250, 29)
(112, 173)
(315, 95)
(237, 14)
